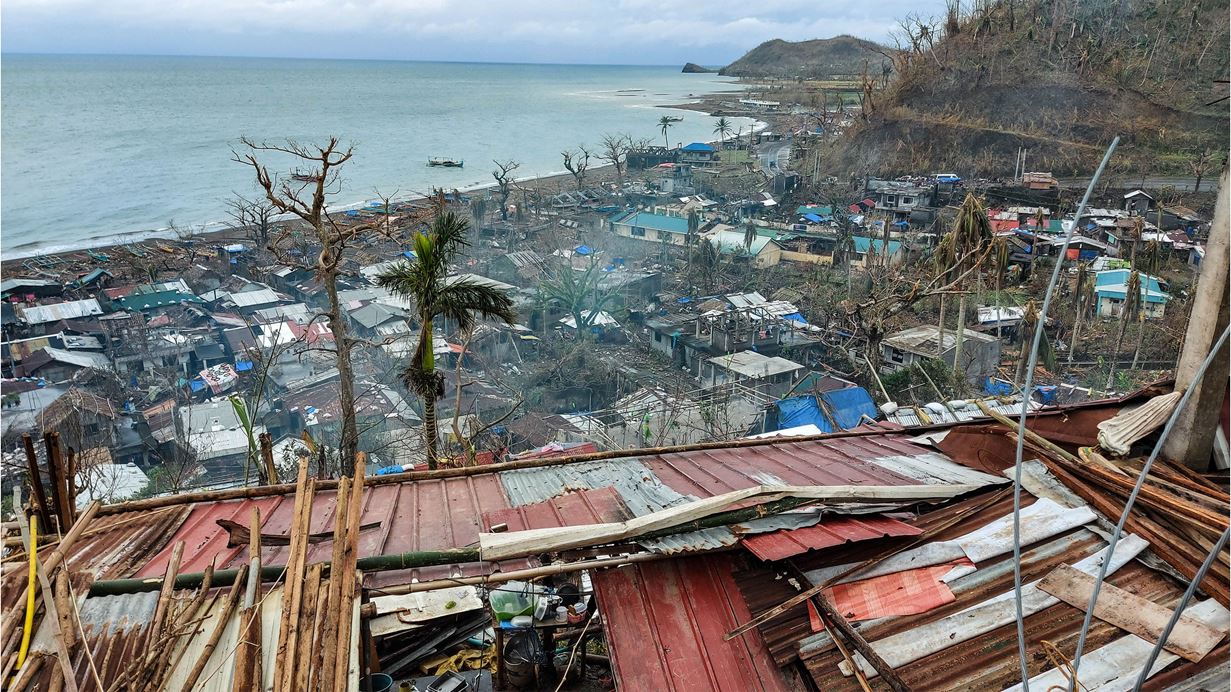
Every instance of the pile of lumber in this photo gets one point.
(1180, 512)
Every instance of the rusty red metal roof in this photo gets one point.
(666, 621)
(571, 509)
(840, 461)
(832, 531)
(423, 515)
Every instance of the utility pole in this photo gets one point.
(1191, 440)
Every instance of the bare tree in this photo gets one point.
(504, 183)
(576, 162)
(615, 148)
(256, 216)
(305, 195)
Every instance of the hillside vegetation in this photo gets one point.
(1058, 77)
(817, 59)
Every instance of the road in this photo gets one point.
(775, 156)
(1148, 182)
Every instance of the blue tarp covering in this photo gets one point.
(243, 365)
(997, 387)
(813, 218)
(795, 317)
(583, 250)
(901, 224)
(408, 255)
(841, 409)
(197, 384)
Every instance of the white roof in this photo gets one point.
(753, 364)
(797, 431)
(480, 280)
(604, 319)
(261, 296)
(213, 430)
(371, 271)
(42, 314)
(1000, 314)
(109, 483)
(85, 359)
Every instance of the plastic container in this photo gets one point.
(512, 599)
(377, 682)
(522, 621)
(577, 613)
(561, 614)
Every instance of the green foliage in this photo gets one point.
(577, 292)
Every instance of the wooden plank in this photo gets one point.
(503, 546)
(1191, 638)
(1115, 667)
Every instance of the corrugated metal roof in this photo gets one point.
(666, 621)
(780, 545)
(260, 296)
(423, 515)
(40, 314)
(580, 507)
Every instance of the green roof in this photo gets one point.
(657, 222)
(878, 246)
(160, 299)
(813, 209)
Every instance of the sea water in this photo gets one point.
(97, 148)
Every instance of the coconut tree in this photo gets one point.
(1025, 336)
(1130, 310)
(1082, 292)
(1151, 261)
(962, 251)
(665, 123)
(750, 236)
(424, 282)
(578, 292)
(1000, 253)
(722, 128)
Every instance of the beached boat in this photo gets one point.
(445, 161)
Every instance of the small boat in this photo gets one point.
(445, 161)
(303, 177)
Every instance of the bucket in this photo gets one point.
(377, 682)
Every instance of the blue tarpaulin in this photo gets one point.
(408, 255)
(795, 317)
(196, 384)
(840, 409)
(901, 224)
(243, 365)
(814, 218)
(997, 387)
(583, 249)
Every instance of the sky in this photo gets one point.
(627, 32)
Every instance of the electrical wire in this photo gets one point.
(1027, 388)
(1132, 497)
(1179, 609)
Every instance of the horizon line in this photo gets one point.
(318, 58)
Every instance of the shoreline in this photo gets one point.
(217, 231)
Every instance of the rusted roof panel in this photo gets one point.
(779, 545)
(666, 621)
(409, 517)
(571, 509)
(841, 461)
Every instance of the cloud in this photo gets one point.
(624, 31)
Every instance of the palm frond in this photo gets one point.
(463, 301)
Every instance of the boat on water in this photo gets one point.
(303, 177)
(445, 161)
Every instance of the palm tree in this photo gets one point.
(1025, 336)
(664, 123)
(425, 283)
(750, 236)
(1081, 304)
(963, 249)
(1152, 256)
(579, 293)
(1000, 251)
(1129, 312)
(722, 128)
(707, 261)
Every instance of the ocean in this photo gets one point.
(96, 148)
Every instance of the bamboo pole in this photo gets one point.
(307, 614)
(288, 632)
(327, 655)
(36, 480)
(59, 487)
(223, 617)
(267, 458)
(354, 510)
(248, 672)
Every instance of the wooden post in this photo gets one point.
(36, 481)
(267, 458)
(834, 618)
(248, 671)
(70, 479)
(59, 486)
